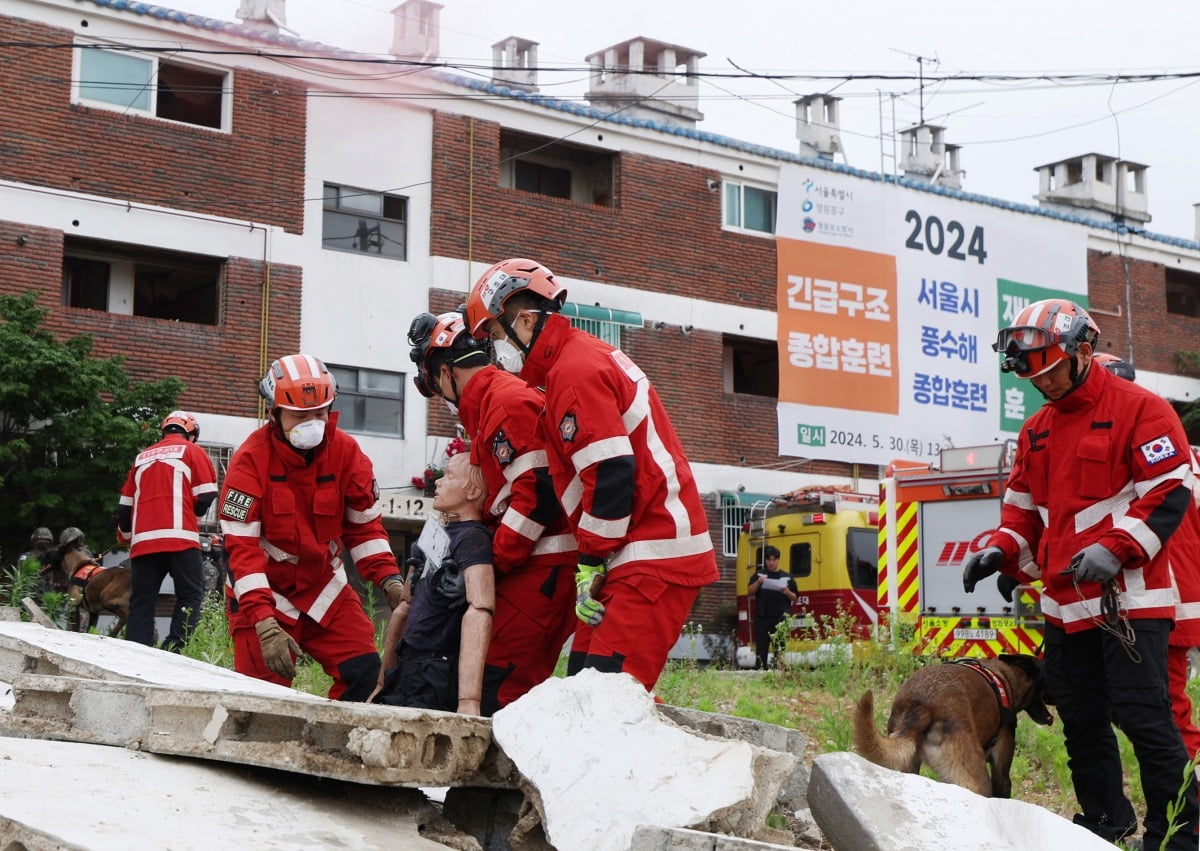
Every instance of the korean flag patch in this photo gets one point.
(1159, 449)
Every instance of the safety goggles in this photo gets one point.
(1029, 350)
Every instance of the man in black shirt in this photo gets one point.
(774, 592)
(447, 626)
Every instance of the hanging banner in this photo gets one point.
(889, 300)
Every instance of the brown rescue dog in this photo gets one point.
(953, 717)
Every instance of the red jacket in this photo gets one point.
(1108, 463)
(1185, 570)
(618, 467)
(285, 521)
(502, 415)
(170, 485)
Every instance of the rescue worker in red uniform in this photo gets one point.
(1101, 480)
(533, 549)
(296, 490)
(1185, 574)
(618, 468)
(169, 487)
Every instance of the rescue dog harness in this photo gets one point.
(1008, 718)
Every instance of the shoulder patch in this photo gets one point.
(1159, 449)
(568, 428)
(236, 505)
(502, 449)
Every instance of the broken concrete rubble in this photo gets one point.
(863, 807)
(572, 738)
(95, 690)
(120, 799)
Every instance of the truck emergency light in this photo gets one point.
(814, 519)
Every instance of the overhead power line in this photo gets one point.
(1090, 77)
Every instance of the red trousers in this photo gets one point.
(1181, 704)
(643, 618)
(345, 649)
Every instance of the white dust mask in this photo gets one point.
(307, 434)
(507, 356)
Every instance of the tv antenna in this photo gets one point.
(921, 62)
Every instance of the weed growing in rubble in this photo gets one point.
(18, 581)
(210, 641)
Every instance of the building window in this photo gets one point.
(140, 281)
(602, 322)
(738, 510)
(219, 454)
(152, 86)
(749, 208)
(1183, 292)
(370, 401)
(543, 166)
(366, 222)
(751, 366)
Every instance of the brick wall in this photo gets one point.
(219, 364)
(651, 239)
(1157, 334)
(254, 173)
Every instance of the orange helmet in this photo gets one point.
(1043, 334)
(500, 283)
(1120, 368)
(183, 420)
(444, 334)
(298, 383)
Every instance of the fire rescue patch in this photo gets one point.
(236, 505)
(1159, 449)
(502, 449)
(568, 428)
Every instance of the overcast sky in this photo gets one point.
(1006, 128)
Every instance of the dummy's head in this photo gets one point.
(461, 490)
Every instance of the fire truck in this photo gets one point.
(826, 538)
(931, 519)
(891, 565)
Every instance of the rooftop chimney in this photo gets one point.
(926, 157)
(263, 14)
(514, 63)
(818, 125)
(1095, 182)
(648, 79)
(416, 31)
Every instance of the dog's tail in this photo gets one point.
(897, 754)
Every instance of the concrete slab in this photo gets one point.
(600, 761)
(794, 791)
(138, 800)
(654, 838)
(381, 745)
(861, 806)
(26, 648)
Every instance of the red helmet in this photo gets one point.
(1043, 334)
(500, 283)
(1120, 368)
(298, 383)
(183, 420)
(446, 334)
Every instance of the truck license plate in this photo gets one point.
(975, 635)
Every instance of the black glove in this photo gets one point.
(1095, 563)
(1005, 584)
(981, 565)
